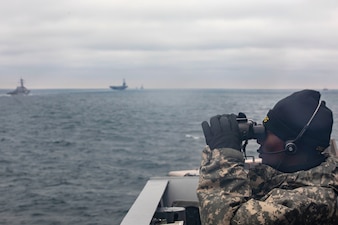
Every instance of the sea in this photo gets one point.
(83, 156)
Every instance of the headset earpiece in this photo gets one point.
(290, 147)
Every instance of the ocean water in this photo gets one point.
(83, 156)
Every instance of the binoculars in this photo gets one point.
(249, 129)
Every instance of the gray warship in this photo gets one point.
(20, 90)
(120, 88)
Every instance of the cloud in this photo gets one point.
(169, 43)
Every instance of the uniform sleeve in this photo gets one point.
(225, 194)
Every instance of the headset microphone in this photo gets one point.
(290, 145)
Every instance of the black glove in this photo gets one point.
(223, 132)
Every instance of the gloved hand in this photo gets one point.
(223, 132)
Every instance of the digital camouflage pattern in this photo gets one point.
(229, 194)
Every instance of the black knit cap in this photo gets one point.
(289, 116)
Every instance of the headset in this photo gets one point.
(290, 147)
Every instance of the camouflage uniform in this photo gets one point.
(229, 194)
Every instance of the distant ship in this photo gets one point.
(120, 88)
(20, 90)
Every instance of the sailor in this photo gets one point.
(295, 184)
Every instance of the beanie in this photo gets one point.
(290, 115)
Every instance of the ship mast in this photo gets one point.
(21, 82)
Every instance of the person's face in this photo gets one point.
(271, 150)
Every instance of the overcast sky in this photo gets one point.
(169, 43)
